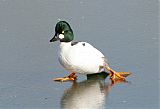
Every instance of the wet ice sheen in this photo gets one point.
(125, 31)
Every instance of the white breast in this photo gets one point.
(81, 57)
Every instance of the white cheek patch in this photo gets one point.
(61, 36)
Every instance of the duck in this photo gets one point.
(81, 57)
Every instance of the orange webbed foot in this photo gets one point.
(118, 75)
(71, 77)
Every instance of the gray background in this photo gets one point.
(126, 31)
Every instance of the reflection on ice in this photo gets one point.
(88, 94)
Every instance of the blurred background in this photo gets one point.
(126, 31)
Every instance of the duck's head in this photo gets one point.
(63, 32)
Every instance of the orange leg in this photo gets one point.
(117, 75)
(71, 77)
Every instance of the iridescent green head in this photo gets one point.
(63, 32)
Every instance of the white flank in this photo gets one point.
(81, 57)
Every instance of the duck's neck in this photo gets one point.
(65, 44)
